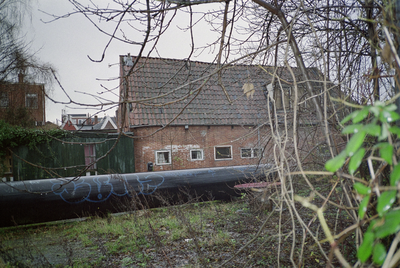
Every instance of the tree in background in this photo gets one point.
(15, 57)
(18, 63)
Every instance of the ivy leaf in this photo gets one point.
(334, 164)
(372, 225)
(363, 207)
(361, 115)
(379, 254)
(395, 130)
(373, 129)
(355, 160)
(346, 119)
(391, 107)
(365, 249)
(352, 129)
(395, 175)
(385, 133)
(385, 202)
(355, 142)
(394, 117)
(391, 225)
(375, 110)
(361, 188)
(386, 152)
(349, 117)
(388, 116)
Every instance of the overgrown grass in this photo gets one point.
(129, 239)
(192, 235)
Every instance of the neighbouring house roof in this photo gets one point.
(106, 122)
(161, 88)
(68, 125)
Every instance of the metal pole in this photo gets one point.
(34, 201)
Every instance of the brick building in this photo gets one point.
(23, 96)
(187, 114)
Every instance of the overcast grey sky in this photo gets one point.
(66, 43)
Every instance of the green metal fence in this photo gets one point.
(67, 158)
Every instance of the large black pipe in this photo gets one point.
(34, 201)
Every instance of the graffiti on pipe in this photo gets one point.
(100, 188)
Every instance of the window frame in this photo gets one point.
(162, 151)
(4, 99)
(241, 152)
(223, 146)
(32, 99)
(252, 154)
(261, 152)
(202, 154)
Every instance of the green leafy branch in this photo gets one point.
(387, 221)
(14, 136)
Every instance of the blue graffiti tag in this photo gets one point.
(81, 190)
(150, 184)
(74, 192)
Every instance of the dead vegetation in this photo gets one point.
(211, 234)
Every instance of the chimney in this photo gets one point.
(21, 78)
(96, 120)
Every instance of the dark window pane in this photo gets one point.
(258, 153)
(163, 158)
(196, 155)
(223, 152)
(31, 101)
(4, 101)
(246, 153)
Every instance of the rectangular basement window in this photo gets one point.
(251, 152)
(223, 152)
(196, 154)
(163, 157)
(245, 153)
(258, 152)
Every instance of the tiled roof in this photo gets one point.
(157, 88)
(106, 122)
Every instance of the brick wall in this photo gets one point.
(179, 141)
(17, 94)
